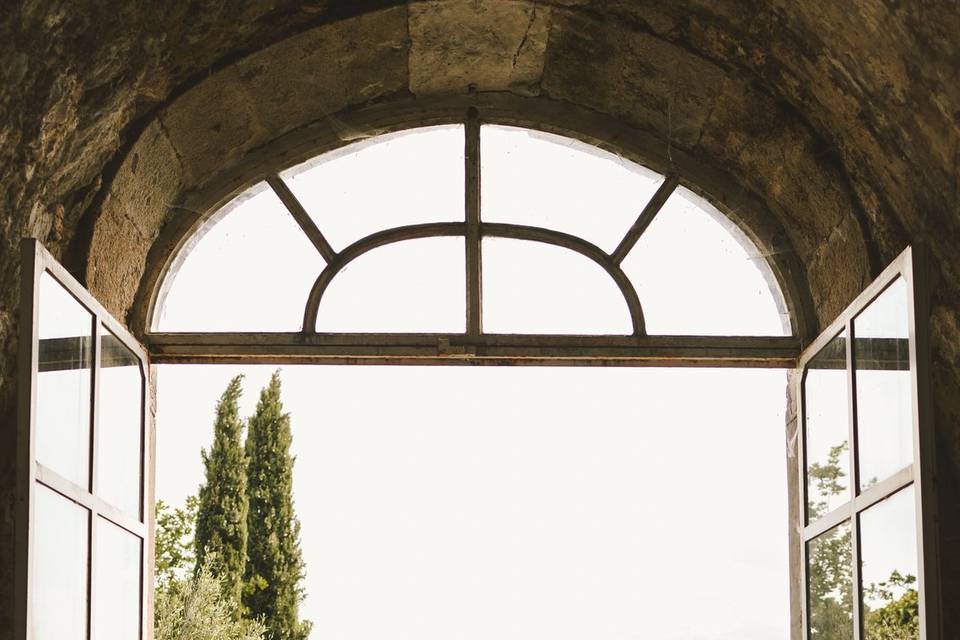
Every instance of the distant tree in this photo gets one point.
(221, 530)
(275, 565)
(895, 614)
(898, 618)
(173, 556)
(830, 570)
(828, 479)
(194, 608)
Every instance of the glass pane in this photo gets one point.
(393, 180)
(830, 585)
(410, 286)
(694, 275)
(63, 383)
(249, 269)
(119, 420)
(530, 287)
(888, 569)
(884, 398)
(118, 585)
(827, 429)
(58, 579)
(545, 180)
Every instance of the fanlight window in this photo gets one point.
(541, 234)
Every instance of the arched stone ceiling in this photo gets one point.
(839, 120)
(572, 65)
(825, 111)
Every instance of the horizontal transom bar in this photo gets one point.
(485, 349)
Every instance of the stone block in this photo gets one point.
(486, 45)
(211, 125)
(320, 72)
(645, 80)
(148, 181)
(116, 260)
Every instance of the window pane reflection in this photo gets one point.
(119, 423)
(827, 429)
(63, 383)
(888, 569)
(118, 584)
(59, 573)
(829, 584)
(884, 405)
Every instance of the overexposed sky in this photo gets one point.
(478, 502)
(517, 502)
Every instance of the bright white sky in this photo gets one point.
(479, 502)
(506, 503)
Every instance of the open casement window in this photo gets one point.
(85, 537)
(869, 562)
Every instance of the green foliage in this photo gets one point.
(831, 587)
(221, 530)
(828, 479)
(899, 617)
(830, 560)
(831, 578)
(173, 556)
(194, 608)
(275, 565)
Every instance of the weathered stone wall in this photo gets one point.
(839, 120)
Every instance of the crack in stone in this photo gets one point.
(711, 110)
(176, 152)
(526, 35)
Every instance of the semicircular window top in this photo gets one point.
(470, 230)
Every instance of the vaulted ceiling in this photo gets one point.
(830, 130)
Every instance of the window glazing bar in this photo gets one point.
(472, 208)
(303, 219)
(644, 219)
(854, 476)
(94, 504)
(866, 499)
(485, 229)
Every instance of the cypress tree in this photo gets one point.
(221, 529)
(275, 566)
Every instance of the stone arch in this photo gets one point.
(522, 63)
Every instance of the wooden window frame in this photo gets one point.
(36, 261)
(473, 346)
(909, 267)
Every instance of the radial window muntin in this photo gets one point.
(473, 228)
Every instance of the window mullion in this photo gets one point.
(93, 525)
(472, 208)
(854, 482)
(94, 458)
(95, 405)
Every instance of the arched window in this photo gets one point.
(541, 235)
(491, 244)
